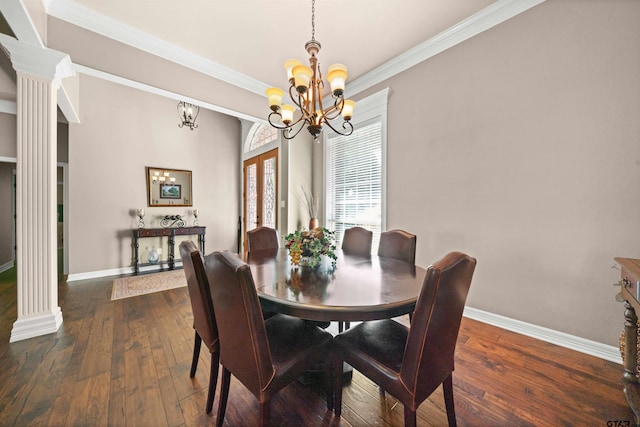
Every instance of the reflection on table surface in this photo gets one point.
(356, 288)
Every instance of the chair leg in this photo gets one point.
(265, 413)
(337, 384)
(409, 417)
(196, 354)
(213, 379)
(328, 374)
(447, 388)
(224, 395)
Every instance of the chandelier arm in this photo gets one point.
(283, 127)
(346, 125)
(298, 100)
(290, 128)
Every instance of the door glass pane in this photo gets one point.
(269, 193)
(252, 196)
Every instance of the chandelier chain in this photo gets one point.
(313, 20)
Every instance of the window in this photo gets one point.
(355, 172)
(263, 135)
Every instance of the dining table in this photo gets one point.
(353, 288)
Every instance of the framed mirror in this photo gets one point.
(168, 187)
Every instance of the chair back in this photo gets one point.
(204, 320)
(244, 349)
(357, 241)
(429, 352)
(262, 238)
(398, 244)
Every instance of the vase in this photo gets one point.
(153, 256)
(313, 224)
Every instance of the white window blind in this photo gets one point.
(354, 180)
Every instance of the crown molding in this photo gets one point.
(487, 18)
(95, 22)
(37, 61)
(161, 92)
(20, 22)
(88, 19)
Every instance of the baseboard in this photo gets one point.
(593, 348)
(6, 266)
(116, 272)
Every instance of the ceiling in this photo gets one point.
(255, 37)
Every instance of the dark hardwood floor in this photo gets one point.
(127, 362)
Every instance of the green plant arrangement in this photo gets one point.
(307, 247)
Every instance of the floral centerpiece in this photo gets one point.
(310, 246)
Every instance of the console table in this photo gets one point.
(171, 233)
(630, 290)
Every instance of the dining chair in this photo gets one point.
(398, 244)
(204, 321)
(410, 363)
(262, 238)
(264, 355)
(357, 241)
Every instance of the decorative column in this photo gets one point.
(39, 73)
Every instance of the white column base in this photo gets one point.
(34, 326)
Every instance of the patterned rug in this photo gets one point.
(132, 286)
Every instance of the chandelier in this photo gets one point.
(306, 89)
(186, 113)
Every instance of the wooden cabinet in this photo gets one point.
(170, 233)
(630, 290)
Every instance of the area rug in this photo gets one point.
(132, 286)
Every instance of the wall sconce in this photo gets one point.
(188, 114)
(140, 213)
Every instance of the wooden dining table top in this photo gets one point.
(356, 288)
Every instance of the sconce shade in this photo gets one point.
(302, 75)
(275, 97)
(347, 109)
(287, 113)
(337, 76)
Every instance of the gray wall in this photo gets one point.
(521, 147)
(123, 130)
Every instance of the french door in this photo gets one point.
(260, 191)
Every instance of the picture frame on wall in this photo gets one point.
(170, 191)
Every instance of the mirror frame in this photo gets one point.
(186, 193)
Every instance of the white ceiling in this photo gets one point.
(255, 37)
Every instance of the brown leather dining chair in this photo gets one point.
(262, 238)
(264, 355)
(410, 363)
(357, 241)
(398, 244)
(204, 321)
